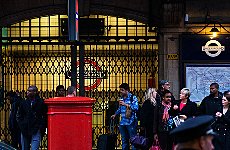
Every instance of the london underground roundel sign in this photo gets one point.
(216, 49)
(94, 74)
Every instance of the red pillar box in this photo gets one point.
(69, 123)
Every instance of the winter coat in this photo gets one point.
(147, 119)
(13, 125)
(190, 109)
(210, 105)
(222, 127)
(32, 116)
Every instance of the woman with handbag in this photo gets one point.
(163, 122)
(147, 116)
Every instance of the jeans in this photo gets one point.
(128, 131)
(34, 140)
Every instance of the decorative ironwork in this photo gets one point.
(35, 52)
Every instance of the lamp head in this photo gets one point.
(214, 31)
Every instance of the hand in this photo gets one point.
(218, 114)
(113, 116)
(175, 107)
(155, 138)
(184, 117)
(122, 103)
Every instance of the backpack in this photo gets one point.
(138, 112)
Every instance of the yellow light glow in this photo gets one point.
(214, 34)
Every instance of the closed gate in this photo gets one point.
(35, 52)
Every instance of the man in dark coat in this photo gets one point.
(212, 103)
(15, 100)
(32, 119)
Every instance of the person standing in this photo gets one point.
(147, 115)
(184, 108)
(15, 100)
(128, 126)
(60, 91)
(163, 122)
(222, 125)
(162, 86)
(71, 91)
(212, 103)
(32, 119)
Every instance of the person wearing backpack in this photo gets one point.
(128, 124)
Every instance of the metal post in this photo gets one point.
(81, 70)
(81, 67)
(73, 65)
(1, 71)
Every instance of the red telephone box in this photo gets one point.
(69, 123)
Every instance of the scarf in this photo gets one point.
(166, 113)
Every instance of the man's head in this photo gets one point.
(164, 85)
(10, 96)
(60, 90)
(214, 87)
(71, 91)
(195, 133)
(124, 89)
(32, 91)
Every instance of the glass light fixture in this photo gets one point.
(214, 31)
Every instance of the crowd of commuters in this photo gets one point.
(161, 113)
(159, 118)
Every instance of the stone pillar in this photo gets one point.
(169, 33)
(169, 68)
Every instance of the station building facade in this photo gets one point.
(139, 44)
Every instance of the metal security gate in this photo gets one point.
(34, 52)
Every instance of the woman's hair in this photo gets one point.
(149, 95)
(186, 91)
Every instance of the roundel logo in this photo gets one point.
(217, 48)
(93, 75)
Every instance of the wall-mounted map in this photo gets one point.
(199, 77)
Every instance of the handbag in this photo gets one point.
(128, 112)
(139, 141)
(155, 146)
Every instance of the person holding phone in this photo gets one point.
(128, 126)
